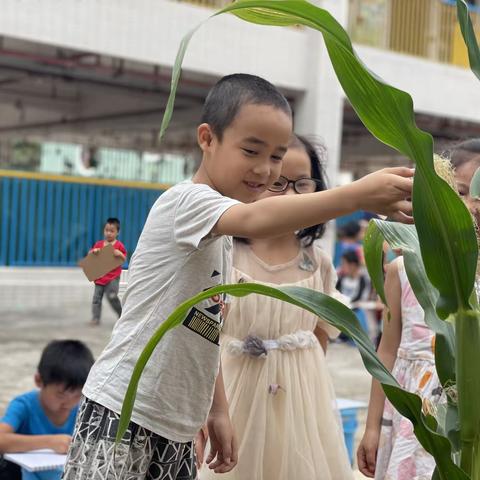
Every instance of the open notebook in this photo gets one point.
(37, 460)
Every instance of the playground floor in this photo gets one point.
(24, 333)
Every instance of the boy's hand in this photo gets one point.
(95, 250)
(200, 445)
(367, 452)
(223, 444)
(60, 443)
(387, 192)
(117, 253)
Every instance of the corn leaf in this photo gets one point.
(467, 330)
(373, 252)
(338, 315)
(442, 219)
(404, 238)
(436, 475)
(446, 236)
(475, 184)
(468, 33)
(387, 112)
(167, 116)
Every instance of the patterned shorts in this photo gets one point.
(141, 455)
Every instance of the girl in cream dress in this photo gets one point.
(281, 398)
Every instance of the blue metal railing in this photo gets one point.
(47, 222)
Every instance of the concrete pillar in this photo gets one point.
(319, 111)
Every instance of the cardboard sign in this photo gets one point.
(96, 265)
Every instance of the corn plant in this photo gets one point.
(440, 251)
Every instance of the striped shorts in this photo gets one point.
(141, 454)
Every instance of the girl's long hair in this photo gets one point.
(317, 153)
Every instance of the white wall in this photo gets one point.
(436, 88)
(319, 111)
(150, 31)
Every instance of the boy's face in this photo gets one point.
(349, 268)
(110, 232)
(56, 399)
(248, 159)
(463, 177)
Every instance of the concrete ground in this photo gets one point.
(24, 333)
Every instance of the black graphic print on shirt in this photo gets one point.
(207, 319)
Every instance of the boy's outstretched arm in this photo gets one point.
(386, 192)
(223, 454)
(11, 442)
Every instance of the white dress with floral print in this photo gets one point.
(400, 456)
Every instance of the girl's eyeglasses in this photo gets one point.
(302, 185)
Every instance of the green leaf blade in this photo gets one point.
(475, 184)
(373, 252)
(337, 315)
(388, 113)
(445, 229)
(469, 37)
(404, 238)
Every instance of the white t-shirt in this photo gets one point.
(176, 258)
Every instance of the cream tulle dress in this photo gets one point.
(282, 403)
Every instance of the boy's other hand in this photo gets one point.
(60, 443)
(387, 192)
(117, 253)
(367, 453)
(200, 445)
(95, 250)
(223, 454)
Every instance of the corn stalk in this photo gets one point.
(440, 253)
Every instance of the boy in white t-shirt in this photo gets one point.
(185, 248)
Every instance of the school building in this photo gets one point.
(84, 83)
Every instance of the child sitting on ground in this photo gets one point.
(45, 417)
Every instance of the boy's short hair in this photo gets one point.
(66, 362)
(464, 152)
(232, 92)
(351, 256)
(351, 229)
(113, 221)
